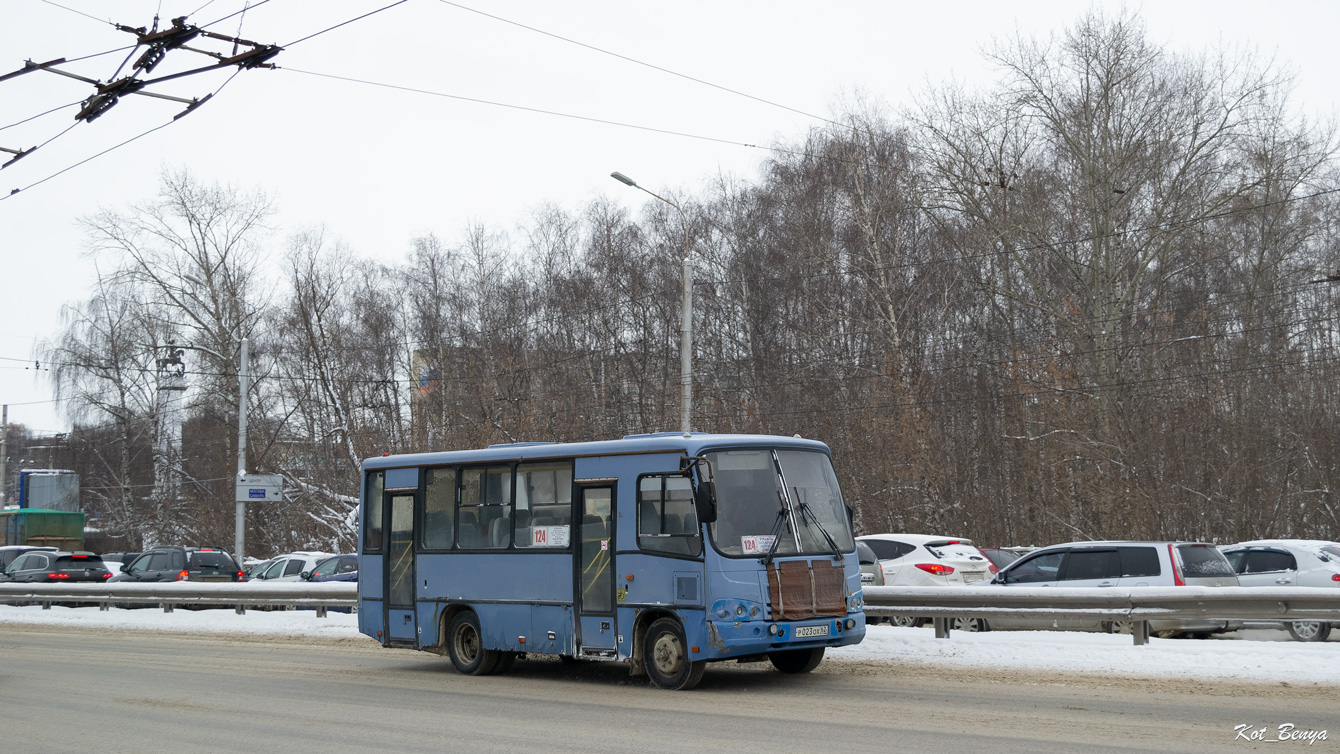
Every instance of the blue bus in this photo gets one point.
(665, 551)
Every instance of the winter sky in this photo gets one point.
(461, 138)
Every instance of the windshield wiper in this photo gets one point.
(805, 512)
(776, 530)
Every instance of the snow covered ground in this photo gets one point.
(1262, 656)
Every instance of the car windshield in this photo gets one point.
(1331, 550)
(1203, 560)
(781, 501)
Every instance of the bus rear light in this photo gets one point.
(184, 575)
(938, 569)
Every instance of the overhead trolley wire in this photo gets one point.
(80, 12)
(644, 63)
(524, 108)
(343, 23)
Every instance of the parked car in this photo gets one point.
(926, 560)
(288, 567)
(182, 564)
(54, 566)
(1288, 562)
(999, 556)
(252, 566)
(871, 575)
(116, 561)
(334, 568)
(1126, 564)
(10, 553)
(923, 560)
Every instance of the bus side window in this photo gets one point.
(372, 514)
(666, 520)
(439, 509)
(543, 504)
(487, 494)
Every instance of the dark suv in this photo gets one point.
(11, 553)
(182, 564)
(48, 567)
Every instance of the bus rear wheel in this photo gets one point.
(665, 656)
(465, 646)
(797, 660)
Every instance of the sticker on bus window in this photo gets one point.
(758, 544)
(549, 536)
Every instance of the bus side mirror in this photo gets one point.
(705, 501)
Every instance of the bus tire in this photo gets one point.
(465, 646)
(797, 660)
(505, 660)
(665, 656)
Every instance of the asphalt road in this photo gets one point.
(90, 690)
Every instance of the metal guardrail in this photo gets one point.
(1139, 605)
(169, 595)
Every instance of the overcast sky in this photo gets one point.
(379, 166)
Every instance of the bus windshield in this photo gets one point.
(781, 501)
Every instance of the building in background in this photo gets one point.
(49, 489)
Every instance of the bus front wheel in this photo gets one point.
(665, 656)
(465, 646)
(797, 660)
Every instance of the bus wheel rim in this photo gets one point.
(467, 644)
(668, 654)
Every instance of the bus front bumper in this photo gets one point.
(741, 638)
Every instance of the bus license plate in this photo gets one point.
(803, 631)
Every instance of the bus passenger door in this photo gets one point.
(400, 613)
(595, 569)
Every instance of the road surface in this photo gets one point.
(79, 689)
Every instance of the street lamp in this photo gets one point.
(686, 314)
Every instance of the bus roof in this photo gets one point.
(668, 442)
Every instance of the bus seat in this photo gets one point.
(499, 532)
(648, 518)
(470, 535)
(522, 518)
(594, 528)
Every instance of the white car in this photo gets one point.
(1289, 562)
(925, 560)
(288, 567)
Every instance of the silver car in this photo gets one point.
(1123, 564)
(1288, 562)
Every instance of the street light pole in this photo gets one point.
(244, 384)
(686, 313)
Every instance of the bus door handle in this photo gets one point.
(604, 625)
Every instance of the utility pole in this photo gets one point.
(243, 380)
